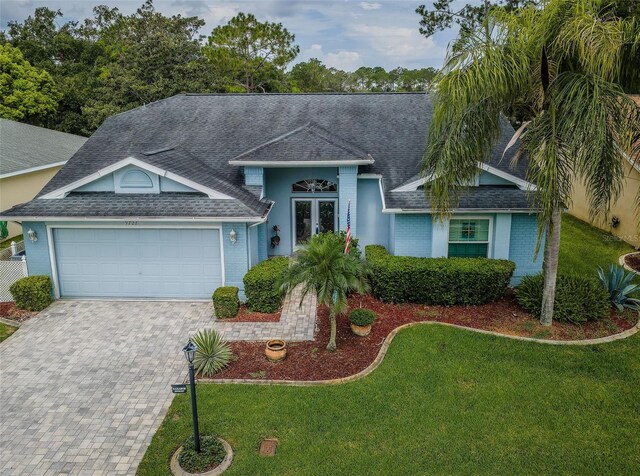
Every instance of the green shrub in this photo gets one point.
(578, 299)
(260, 284)
(212, 453)
(32, 293)
(212, 352)
(442, 281)
(362, 317)
(226, 302)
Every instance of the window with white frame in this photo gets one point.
(469, 237)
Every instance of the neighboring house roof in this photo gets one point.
(25, 148)
(307, 145)
(207, 137)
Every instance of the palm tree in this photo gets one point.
(322, 268)
(558, 70)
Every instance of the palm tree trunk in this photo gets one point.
(331, 346)
(551, 254)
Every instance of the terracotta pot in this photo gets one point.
(275, 350)
(361, 331)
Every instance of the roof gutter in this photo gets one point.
(137, 218)
(461, 210)
(32, 169)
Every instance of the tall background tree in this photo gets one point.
(27, 93)
(559, 67)
(248, 51)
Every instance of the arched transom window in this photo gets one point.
(315, 185)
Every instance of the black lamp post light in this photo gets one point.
(190, 353)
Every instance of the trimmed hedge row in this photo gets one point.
(32, 293)
(226, 302)
(441, 281)
(260, 284)
(578, 299)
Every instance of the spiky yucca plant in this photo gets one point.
(212, 352)
(620, 287)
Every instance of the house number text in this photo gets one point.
(130, 222)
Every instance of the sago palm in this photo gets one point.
(558, 70)
(322, 268)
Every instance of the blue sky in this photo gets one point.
(345, 34)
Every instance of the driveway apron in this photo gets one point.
(85, 384)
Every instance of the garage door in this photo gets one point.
(124, 262)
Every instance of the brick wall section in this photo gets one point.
(412, 235)
(38, 261)
(253, 176)
(236, 260)
(348, 191)
(524, 233)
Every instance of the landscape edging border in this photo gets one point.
(624, 265)
(177, 470)
(387, 341)
(9, 322)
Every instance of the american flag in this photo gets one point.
(348, 234)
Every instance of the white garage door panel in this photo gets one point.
(155, 263)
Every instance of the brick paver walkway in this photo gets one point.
(297, 323)
(85, 385)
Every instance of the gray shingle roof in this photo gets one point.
(23, 146)
(112, 205)
(196, 135)
(308, 143)
(492, 197)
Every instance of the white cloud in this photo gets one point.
(345, 60)
(399, 42)
(370, 5)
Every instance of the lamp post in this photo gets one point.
(189, 353)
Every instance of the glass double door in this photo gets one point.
(312, 216)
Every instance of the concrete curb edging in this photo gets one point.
(221, 468)
(387, 341)
(9, 322)
(624, 265)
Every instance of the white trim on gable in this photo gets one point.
(64, 191)
(520, 183)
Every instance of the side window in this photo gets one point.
(469, 238)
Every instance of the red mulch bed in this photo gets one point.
(245, 315)
(633, 261)
(9, 310)
(311, 361)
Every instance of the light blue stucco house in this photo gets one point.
(178, 197)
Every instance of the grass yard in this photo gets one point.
(6, 331)
(583, 247)
(444, 401)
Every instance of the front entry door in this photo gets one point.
(312, 216)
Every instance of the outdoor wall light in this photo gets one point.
(33, 236)
(233, 236)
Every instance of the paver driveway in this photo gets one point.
(85, 384)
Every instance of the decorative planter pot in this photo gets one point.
(276, 350)
(176, 470)
(361, 331)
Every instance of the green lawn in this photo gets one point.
(444, 401)
(6, 331)
(583, 247)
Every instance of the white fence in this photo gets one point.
(11, 271)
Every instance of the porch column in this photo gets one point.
(440, 238)
(348, 192)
